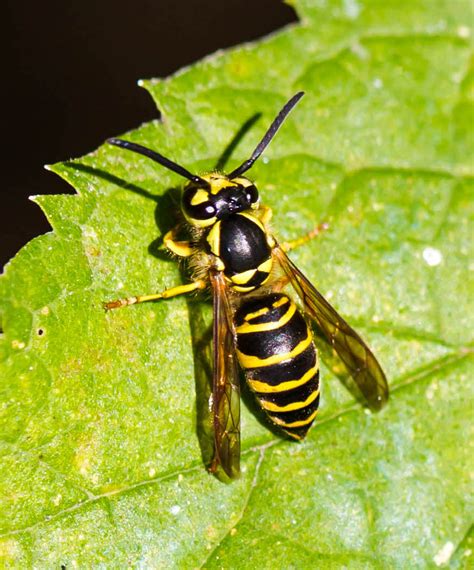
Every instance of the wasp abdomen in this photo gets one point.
(276, 350)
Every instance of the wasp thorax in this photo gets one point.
(222, 197)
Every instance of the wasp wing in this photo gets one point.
(226, 388)
(352, 350)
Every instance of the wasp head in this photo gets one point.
(218, 198)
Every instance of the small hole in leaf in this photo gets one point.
(40, 332)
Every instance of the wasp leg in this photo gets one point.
(288, 245)
(173, 292)
(181, 248)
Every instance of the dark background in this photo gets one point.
(70, 80)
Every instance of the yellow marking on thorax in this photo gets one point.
(266, 266)
(247, 361)
(259, 386)
(254, 219)
(270, 326)
(244, 277)
(214, 238)
(299, 423)
(271, 407)
(199, 197)
(242, 289)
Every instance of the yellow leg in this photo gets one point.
(287, 245)
(173, 292)
(181, 248)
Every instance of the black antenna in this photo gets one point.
(157, 157)
(268, 136)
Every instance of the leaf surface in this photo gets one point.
(103, 414)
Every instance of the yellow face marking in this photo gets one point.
(266, 266)
(200, 197)
(214, 239)
(259, 327)
(271, 407)
(245, 182)
(200, 223)
(265, 388)
(247, 361)
(299, 423)
(217, 182)
(244, 277)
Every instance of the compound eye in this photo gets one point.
(197, 206)
(203, 211)
(252, 194)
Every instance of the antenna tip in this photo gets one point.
(297, 96)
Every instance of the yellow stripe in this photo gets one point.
(247, 361)
(241, 289)
(199, 197)
(259, 313)
(245, 182)
(271, 326)
(299, 423)
(281, 302)
(214, 239)
(200, 223)
(271, 407)
(266, 266)
(181, 248)
(218, 182)
(244, 277)
(265, 388)
(252, 218)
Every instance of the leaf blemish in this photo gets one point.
(432, 256)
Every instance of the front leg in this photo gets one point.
(178, 247)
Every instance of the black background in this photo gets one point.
(70, 80)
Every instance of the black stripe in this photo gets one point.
(278, 341)
(299, 394)
(284, 371)
(256, 304)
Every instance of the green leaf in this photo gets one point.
(103, 415)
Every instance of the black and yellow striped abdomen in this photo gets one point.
(276, 350)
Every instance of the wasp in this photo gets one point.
(257, 327)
